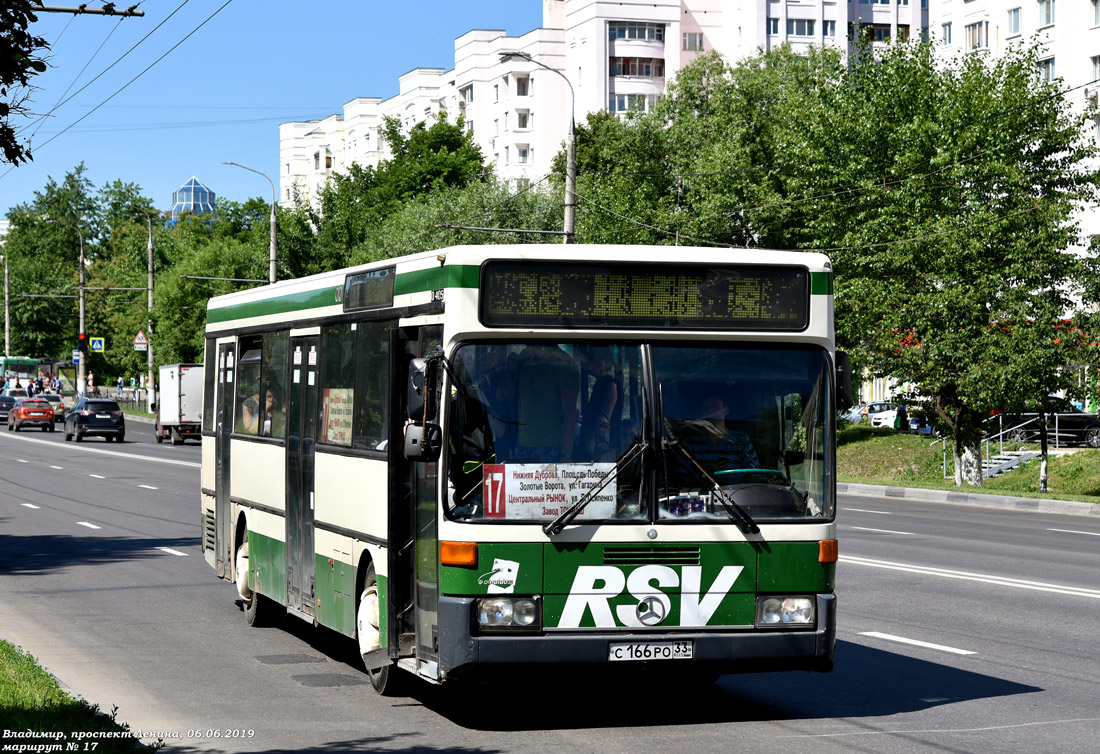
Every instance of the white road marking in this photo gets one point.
(984, 578)
(85, 523)
(915, 643)
(31, 505)
(59, 468)
(864, 510)
(82, 449)
(170, 551)
(147, 487)
(883, 531)
(97, 476)
(901, 732)
(21, 461)
(1074, 531)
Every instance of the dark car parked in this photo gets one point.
(95, 417)
(8, 397)
(1066, 425)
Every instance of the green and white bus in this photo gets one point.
(486, 457)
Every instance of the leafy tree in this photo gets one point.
(20, 60)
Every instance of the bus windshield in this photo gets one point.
(638, 432)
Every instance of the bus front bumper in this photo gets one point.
(740, 650)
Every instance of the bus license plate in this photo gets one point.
(651, 650)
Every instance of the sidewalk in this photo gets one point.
(1007, 502)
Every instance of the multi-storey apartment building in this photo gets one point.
(605, 55)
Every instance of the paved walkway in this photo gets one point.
(1011, 502)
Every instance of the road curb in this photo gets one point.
(1006, 502)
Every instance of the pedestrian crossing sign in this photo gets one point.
(96, 344)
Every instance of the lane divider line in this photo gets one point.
(97, 476)
(147, 487)
(170, 551)
(119, 454)
(85, 523)
(1075, 531)
(916, 643)
(883, 531)
(968, 576)
(31, 505)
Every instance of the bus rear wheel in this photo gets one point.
(385, 679)
(258, 609)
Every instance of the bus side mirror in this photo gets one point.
(844, 398)
(420, 390)
(423, 443)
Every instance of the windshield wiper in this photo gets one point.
(574, 510)
(733, 510)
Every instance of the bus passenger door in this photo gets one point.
(301, 429)
(223, 427)
(413, 590)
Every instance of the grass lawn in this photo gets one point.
(35, 707)
(866, 455)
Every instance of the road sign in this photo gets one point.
(141, 343)
(96, 344)
(76, 355)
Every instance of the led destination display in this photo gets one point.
(644, 296)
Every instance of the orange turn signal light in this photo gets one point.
(827, 551)
(458, 554)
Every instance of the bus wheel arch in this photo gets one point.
(368, 617)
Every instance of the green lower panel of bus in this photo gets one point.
(334, 583)
(267, 561)
(335, 586)
(602, 585)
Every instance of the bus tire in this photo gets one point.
(385, 680)
(259, 610)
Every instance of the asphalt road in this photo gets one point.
(961, 629)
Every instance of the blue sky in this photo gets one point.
(221, 94)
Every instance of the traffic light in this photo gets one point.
(82, 342)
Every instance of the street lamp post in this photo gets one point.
(7, 312)
(271, 277)
(81, 368)
(570, 149)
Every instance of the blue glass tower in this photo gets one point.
(192, 197)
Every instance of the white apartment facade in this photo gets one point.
(604, 55)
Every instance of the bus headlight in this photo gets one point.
(507, 612)
(784, 612)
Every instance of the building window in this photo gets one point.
(467, 93)
(1096, 12)
(316, 160)
(522, 87)
(903, 2)
(523, 120)
(496, 93)
(522, 152)
(650, 67)
(1096, 67)
(1013, 22)
(635, 30)
(693, 41)
(1046, 12)
(1046, 70)
(800, 27)
(506, 155)
(828, 28)
(977, 35)
(624, 103)
(945, 33)
(773, 27)
(880, 32)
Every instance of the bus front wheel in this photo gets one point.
(258, 609)
(367, 634)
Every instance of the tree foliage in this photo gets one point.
(21, 58)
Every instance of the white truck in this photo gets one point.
(179, 407)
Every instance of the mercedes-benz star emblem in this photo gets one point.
(650, 611)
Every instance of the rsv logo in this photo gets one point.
(594, 587)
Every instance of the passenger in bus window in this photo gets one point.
(548, 382)
(250, 415)
(599, 409)
(274, 414)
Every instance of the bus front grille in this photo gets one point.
(642, 555)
